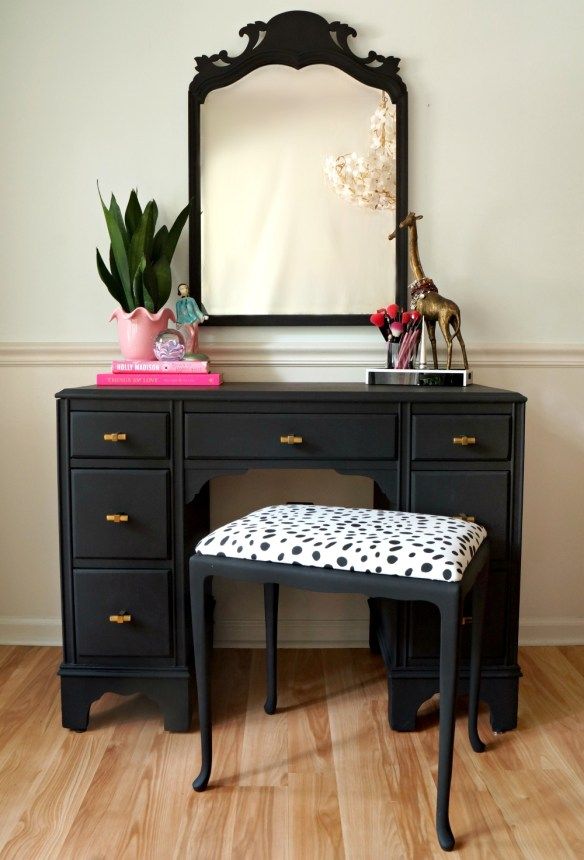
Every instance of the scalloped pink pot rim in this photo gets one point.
(137, 331)
(140, 313)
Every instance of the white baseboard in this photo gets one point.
(551, 631)
(295, 633)
(30, 631)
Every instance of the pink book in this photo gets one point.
(160, 366)
(200, 380)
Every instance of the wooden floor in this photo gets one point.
(323, 778)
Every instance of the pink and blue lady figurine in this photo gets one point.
(188, 318)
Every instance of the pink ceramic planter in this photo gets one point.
(137, 331)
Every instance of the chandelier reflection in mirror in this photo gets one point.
(369, 180)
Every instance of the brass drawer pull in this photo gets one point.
(122, 618)
(291, 440)
(464, 440)
(468, 518)
(114, 437)
(116, 518)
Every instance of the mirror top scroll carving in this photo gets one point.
(230, 272)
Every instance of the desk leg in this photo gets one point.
(76, 701)
(174, 696)
(407, 694)
(176, 703)
(405, 697)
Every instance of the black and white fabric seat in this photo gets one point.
(355, 539)
(384, 555)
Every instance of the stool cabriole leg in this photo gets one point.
(202, 673)
(271, 594)
(479, 593)
(450, 609)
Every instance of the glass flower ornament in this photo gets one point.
(169, 345)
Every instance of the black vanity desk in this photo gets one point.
(124, 581)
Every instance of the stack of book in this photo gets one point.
(160, 373)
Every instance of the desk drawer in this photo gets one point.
(140, 595)
(484, 495)
(141, 495)
(146, 434)
(339, 436)
(433, 437)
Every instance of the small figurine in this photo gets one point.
(188, 318)
(427, 301)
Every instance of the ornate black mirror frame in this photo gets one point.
(296, 39)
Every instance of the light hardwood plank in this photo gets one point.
(30, 732)
(323, 778)
(11, 657)
(264, 753)
(231, 679)
(261, 824)
(315, 828)
(208, 825)
(309, 736)
(54, 798)
(367, 787)
(101, 819)
(573, 655)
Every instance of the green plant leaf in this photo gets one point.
(149, 301)
(141, 243)
(163, 279)
(112, 283)
(151, 287)
(154, 213)
(116, 275)
(141, 294)
(133, 214)
(113, 267)
(149, 237)
(138, 289)
(175, 231)
(158, 243)
(117, 213)
(118, 250)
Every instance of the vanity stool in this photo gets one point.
(377, 553)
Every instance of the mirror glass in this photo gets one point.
(276, 237)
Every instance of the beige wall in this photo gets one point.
(98, 90)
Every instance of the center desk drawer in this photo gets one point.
(119, 434)
(136, 502)
(461, 437)
(291, 436)
(136, 601)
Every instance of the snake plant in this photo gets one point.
(139, 258)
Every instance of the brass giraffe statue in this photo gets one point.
(427, 301)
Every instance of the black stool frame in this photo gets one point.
(447, 596)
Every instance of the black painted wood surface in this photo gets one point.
(372, 431)
(336, 436)
(139, 494)
(146, 434)
(142, 594)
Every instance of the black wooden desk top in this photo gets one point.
(301, 391)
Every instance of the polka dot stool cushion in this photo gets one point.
(356, 539)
